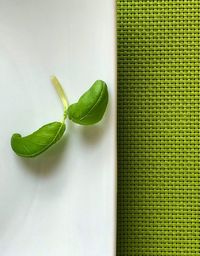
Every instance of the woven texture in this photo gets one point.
(158, 127)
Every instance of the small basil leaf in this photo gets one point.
(39, 141)
(91, 106)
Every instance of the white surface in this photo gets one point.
(63, 202)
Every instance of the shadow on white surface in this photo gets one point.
(92, 134)
(46, 164)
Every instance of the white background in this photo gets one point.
(62, 202)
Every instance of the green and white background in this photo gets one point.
(158, 127)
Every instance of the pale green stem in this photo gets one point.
(61, 94)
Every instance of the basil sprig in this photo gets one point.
(89, 110)
(91, 106)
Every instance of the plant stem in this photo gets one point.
(61, 94)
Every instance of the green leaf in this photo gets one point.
(91, 106)
(39, 141)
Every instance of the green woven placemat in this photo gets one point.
(158, 127)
